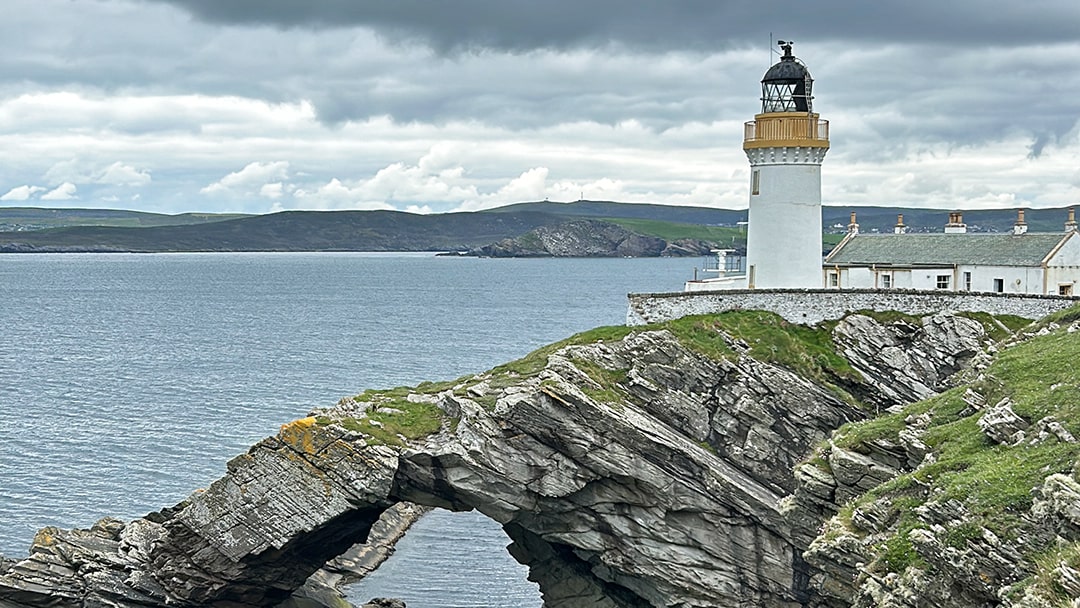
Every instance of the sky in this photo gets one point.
(427, 106)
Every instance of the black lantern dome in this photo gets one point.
(787, 85)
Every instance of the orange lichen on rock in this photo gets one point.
(45, 537)
(300, 434)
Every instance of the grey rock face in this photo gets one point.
(906, 362)
(1001, 424)
(588, 238)
(636, 473)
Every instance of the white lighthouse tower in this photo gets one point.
(785, 143)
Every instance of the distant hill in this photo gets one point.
(37, 218)
(292, 231)
(709, 216)
(883, 219)
(112, 230)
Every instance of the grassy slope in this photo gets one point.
(671, 231)
(28, 218)
(301, 231)
(994, 482)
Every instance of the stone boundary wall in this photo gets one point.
(812, 306)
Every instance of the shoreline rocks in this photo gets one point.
(632, 472)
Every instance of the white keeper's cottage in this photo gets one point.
(1018, 262)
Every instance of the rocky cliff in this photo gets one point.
(694, 463)
(589, 238)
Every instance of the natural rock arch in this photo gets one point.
(671, 494)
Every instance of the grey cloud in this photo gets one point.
(518, 25)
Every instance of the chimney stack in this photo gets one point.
(853, 227)
(1020, 227)
(956, 223)
(1070, 226)
(900, 228)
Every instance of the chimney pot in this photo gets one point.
(900, 228)
(1020, 227)
(956, 224)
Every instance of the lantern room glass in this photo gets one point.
(787, 95)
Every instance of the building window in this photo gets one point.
(834, 279)
(755, 182)
(1065, 290)
(967, 281)
(999, 285)
(886, 281)
(943, 281)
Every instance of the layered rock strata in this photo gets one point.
(638, 472)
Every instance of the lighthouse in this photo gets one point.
(785, 144)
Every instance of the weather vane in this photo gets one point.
(786, 45)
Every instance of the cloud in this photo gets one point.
(21, 193)
(411, 105)
(272, 191)
(252, 178)
(467, 25)
(64, 192)
(91, 171)
(119, 174)
(337, 195)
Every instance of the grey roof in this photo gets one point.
(787, 70)
(946, 249)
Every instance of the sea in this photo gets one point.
(128, 380)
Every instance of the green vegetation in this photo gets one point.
(393, 417)
(898, 554)
(509, 374)
(608, 381)
(808, 351)
(1062, 317)
(671, 231)
(530, 240)
(30, 218)
(998, 327)
(994, 482)
(830, 240)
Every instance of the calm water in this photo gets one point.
(127, 381)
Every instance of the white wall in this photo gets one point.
(812, 306)
(1015, 279)
(784, 231)
(1064, 267)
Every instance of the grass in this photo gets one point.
(672, 231)
(993, 482)
(530, 240)
(998, 327)
(1062, 317)
(898, 554)
(514, 372)
(857, 435)
(808, 351)
(608, 381)
(1045, 582)
(410, 420)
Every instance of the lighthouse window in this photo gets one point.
(943, 281)
(755, 183)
